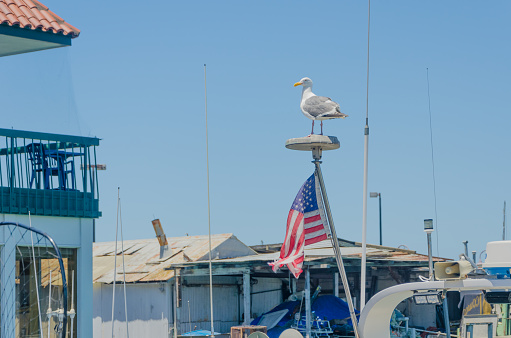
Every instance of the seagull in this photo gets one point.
(317, 107)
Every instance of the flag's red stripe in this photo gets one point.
(314, 229)
(312, 219)
(296, 228)
(285, 246)
(315, 239)
(298, 260)
(289, 244)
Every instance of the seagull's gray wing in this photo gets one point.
(318, 106)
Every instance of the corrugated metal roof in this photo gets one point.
(324, 249)
(32, 14)
(142, 261)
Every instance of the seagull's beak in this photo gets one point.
(298, 84)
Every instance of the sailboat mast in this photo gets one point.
(209, 209)
(366, 159)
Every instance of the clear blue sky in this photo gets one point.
(135, 79)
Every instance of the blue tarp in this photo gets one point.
(326, 307)
(330, 307)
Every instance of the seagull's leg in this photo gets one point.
(312, 132)
(321, 127)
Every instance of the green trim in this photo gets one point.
(81, 140)
(50, 146)
(28, 33)
(47, 202)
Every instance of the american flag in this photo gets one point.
(305, 226)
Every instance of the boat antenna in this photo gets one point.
(504, 223)
(432, 161)
(366, 158)
(209, 209)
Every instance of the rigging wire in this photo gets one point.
(115, 263)
(119, 218)
(432, 162)
(72, 120)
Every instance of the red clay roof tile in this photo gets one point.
(16, 10)
(37, 3)
(37, 14)
(4, 9)
(29, 3)
(26, 12)
(35, 23)
(24, 22)
(12, 19)
(32, 14)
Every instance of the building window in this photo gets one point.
(41, 278)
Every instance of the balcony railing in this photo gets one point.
(48, 174)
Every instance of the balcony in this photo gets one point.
(48, 174)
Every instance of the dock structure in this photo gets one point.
(170, 295)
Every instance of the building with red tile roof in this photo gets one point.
(28, 25)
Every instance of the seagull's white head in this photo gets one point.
(305, 82)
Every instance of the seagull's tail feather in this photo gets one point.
(338, 115)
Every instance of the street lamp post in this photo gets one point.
(377, 194)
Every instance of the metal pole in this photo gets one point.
(308, 314)
(335, 246)
(446, 317)
(246, 298)
(381, 236)
(176, 302)
(428, 229)
(366, 165)
(364, 222)
(430, 257)
(504, 223)
(336, 285)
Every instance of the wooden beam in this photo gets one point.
(215, 271)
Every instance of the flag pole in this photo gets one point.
(316, 154)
